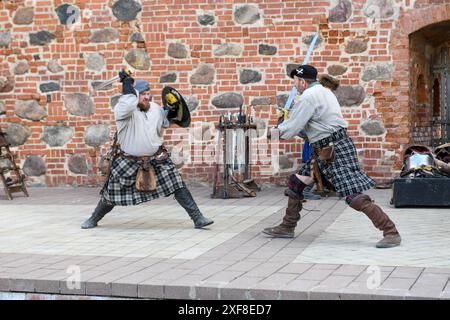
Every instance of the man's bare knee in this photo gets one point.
(305, 179)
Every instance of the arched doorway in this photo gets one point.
(430, 84)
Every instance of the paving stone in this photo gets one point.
(98, 288)
(69, 288)
(183, 288)
(153, 290)
(318, 274)
(46, 286)
(124, 290)
(4, 284)
(398, 283)
(406, 272)
(349, 270)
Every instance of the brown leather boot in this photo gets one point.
(379, 219)
(290, 219)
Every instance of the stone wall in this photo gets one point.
(218, 54)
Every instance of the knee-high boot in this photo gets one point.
(287, 227)
(184, 198)
(99, 212)
(379, 219)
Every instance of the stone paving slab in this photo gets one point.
(151, 251)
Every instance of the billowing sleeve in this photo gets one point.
(125, 107)
(298, 118)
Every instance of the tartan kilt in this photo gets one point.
(120, 189)
(344, 173)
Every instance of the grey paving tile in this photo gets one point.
(390, 294)
(4, 284)
(315, 274)
(124, 290)
(153, 289)
(72, 288)
(337, 282)
(349, 270)
(98, 288)
(423, 293)
(323, 293)
(398, 283)
(279, 278)
(21, 285)
(301, 285)
(243, 266)
(265, 269)
(296, 268)
(264, 292)
(406, 272)
(183, 288)
(293, 295)
(47, 286)
(172, 274)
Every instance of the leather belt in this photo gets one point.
(130, 157)
(142, 158)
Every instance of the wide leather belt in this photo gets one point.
(143, 158)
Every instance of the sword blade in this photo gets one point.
(305, 61)
(106, 83)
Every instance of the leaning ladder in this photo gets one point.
(16, 181)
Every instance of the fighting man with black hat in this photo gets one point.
(139, 122)
(318, 114)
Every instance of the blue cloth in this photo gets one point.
(307, 152)
(142, 85)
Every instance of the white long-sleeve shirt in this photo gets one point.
(138, 131)
(317, 113)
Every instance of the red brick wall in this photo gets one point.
(282, 24)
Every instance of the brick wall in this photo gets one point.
(204, 49)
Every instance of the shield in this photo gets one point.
(178, 110)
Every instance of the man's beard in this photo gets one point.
(144, 106)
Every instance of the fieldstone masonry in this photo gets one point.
(219, 55)
(30, 110)
(96, 135)
(57, 136)
(34, 166)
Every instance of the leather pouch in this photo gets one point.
(146, 178)
(327, 154)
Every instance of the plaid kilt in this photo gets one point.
(344, 173)
(120, 188)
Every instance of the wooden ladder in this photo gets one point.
(16, 181)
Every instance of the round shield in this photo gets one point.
(178, 109)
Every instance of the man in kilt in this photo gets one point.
(318, 115)
(139, 122)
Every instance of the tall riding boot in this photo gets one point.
(99, 212)
(184, 198)
(379, 219)
(290, 219)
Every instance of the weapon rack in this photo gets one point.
(16, 181)
(230, 186)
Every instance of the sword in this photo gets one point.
(111, 81)
(293, 92)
